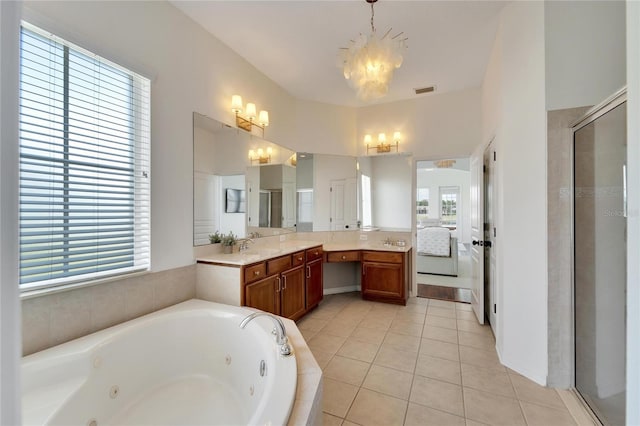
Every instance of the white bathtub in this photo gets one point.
(189, 364)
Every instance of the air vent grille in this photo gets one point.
(425, 90)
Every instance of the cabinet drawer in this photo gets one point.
(314, 253)
(279, 264)
(382, 256)
(297, 259)
(343, 256)
(255, 272)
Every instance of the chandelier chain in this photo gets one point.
(373, 29)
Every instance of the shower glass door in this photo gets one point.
(600, 264)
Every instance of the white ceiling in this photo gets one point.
(295, 43)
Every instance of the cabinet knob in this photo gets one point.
(300, 259)
(344, 257)
(316, 253)
(256, 273)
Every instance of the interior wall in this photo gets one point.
(10, 325)
(391, 191)
(514, 103)
(234, 222)
(432, 126)
(584, 52)
(633, 219)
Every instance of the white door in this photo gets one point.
(477, 234)
(490, 203)
(351, 204)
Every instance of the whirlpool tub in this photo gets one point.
(189, 364)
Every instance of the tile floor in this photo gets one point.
(427, 363)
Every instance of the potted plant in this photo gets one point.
(228, 241)
(215, 238)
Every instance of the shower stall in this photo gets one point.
(599, 258)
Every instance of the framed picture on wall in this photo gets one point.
(235, 200)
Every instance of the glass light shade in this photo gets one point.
(260, 153)
(269, 151)
(252, 154)
(251, 111)
(263, 118)
(367, 139)
(382, 138)
(236, 103)
(396, 136)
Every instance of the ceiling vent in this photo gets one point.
(425, 90)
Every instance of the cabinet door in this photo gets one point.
(314, 283)
(382, 281)
(292, 296)
(264, 295)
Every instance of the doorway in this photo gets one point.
(489, 232)
(599, 246)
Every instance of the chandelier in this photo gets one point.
(369, 61)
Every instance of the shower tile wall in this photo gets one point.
(57, 318)
(559, 200)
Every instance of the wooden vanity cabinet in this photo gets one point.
(292, 286)
(385, 276)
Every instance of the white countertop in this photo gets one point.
(259, 253)
(364, 245)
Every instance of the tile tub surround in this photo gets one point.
(52, 319)
(559, 202)
(395, 365)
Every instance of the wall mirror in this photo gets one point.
(326, 192)
(385, 183)
(241, 183)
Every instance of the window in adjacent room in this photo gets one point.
(422, 204)
(84, 164)
(449, 205)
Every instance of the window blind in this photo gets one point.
(84, 164)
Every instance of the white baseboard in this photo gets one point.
(345, 289)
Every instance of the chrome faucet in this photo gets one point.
(244, 243)
(278, 330)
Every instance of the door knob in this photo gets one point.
(477, 243)
(487, 243)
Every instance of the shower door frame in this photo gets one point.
(608, 105)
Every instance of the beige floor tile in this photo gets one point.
(466, 315)
(399, 360)
(326, 343)
(439, 349)
(487, 380)
(472, 423)
(388, 381)
(464, 307)
(312, 324)
(322, 358)
(339, 328)
(442, 304)
(438, 368)
(527, 390)
(347, 370)
(413, 308)
(308, 334)
(441, 312)
(337, 397)
(406, 327)
(486, 359)
(441, 322)
(323, 313)
(438, 333)
(475, 340)
(419, 415)
(538, 415)
(418, 301)
(348, 423)
(329, 420)
(377, 322)
(368, 335)
(373, 408)
(401, 342)
(361, 351)
(473, 327)
(416, 317)
(492, 409)
(437, 394)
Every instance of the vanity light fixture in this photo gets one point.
(382, 146)
(260, 156)
(246, 122)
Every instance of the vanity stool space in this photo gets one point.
(385, 274)
(289, 285)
